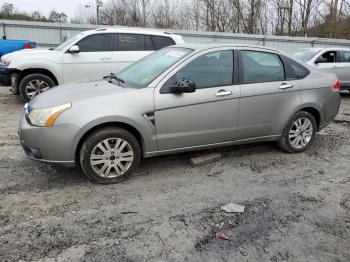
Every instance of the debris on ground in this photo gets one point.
(221, 235)
(204, 159)
(233, 208)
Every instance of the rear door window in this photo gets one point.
(344, 56)
(161, 41)
(96, 43)
(129, 42)
(261, 67)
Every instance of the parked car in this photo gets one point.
(9, 46)
(180, 98)
(333, 60)
(91, 54)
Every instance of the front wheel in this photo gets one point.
(110, 155)
(34, 84)
(299, 133)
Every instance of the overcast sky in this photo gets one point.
(45, 6)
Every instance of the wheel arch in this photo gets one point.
(28, 71)
(310, 108)
(134, 131)
(315, 113)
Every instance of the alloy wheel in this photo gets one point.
(300, 133)
(111, 157)
(35, 87)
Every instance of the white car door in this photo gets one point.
(327, 61)
(128, 48)
(94, 59)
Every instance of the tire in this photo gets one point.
(108, 162)
(38, 83)
(289, 139)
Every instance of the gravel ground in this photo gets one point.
(297, 205)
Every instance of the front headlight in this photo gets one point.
(5, 62)
(46, 116)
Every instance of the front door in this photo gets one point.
(206, 116)
(327, 62)
(93, 61)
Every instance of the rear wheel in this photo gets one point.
(299, 132)
(34, 84)
(110, 155)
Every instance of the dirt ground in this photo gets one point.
(297, 205)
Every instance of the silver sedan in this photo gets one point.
(180, 98)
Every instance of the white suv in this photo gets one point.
(90, 54)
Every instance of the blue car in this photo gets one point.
(8, 46)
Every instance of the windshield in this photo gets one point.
(143, 72)
(70, 41)
(306, 54)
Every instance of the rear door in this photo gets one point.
(206, 116)
(268, 96)
(93, 60)
(343, 68)
(128, 48)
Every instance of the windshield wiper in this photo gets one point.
(115, 77)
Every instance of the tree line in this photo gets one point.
(10, 12)
(322, 18)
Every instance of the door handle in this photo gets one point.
(285, 86)
(334, 67)
(105, 59)
(223, 93)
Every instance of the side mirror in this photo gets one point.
(321, 60)
(183, 86)
(74, 49)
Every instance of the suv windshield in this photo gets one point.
(306, 54)
(70, 41)
(143, 72)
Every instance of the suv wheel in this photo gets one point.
(299, 133)
(34, 84)
(110, 155)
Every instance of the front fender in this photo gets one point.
(146, 131)
(49, 64)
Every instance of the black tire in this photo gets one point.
(33, 77)
(284, 141)
(99, 136)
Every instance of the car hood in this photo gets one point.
(29, 52)
(75, 91)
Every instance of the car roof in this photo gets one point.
(129, 30)
(199, 47)
(318, 49)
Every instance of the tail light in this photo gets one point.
(28, 46)
(336, 85)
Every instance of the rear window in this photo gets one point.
(161, 41)
(305, 54)
(294, 70)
